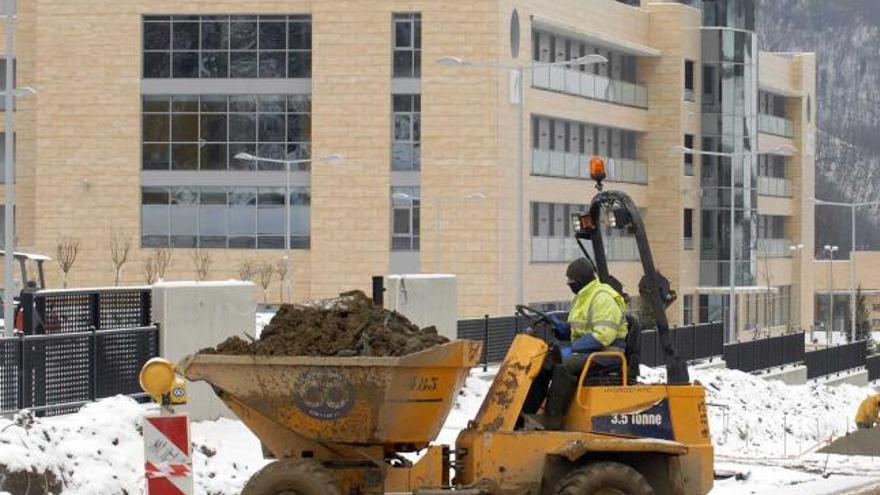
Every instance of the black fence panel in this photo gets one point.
(10, 355)
(836, 359)
(57, 373)
(873, 365)
(70, 311)
(765, 353)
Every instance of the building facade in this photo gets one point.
(147, 113)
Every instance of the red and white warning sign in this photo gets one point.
(167, 455)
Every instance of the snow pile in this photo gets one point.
(752, 416)
(100, 450)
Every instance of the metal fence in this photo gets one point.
(836, 359)
(691, 342)
(765, 353)
(873, 365)
(76, 346)
(69, 311)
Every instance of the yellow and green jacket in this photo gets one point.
(597, 318)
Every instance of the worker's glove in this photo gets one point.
(565, 350)
(561, 329)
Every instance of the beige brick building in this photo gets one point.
(142, 107)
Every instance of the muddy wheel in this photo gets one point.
(604, 478)
(291, 477)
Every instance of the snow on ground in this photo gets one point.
(767, 430)
(263, 319)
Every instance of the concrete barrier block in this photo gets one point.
(426, 300)
(196, 315)
(858, 378)
(791, 375)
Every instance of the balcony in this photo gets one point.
(774, 248)
(576, 166)
(586, 85)
(774, 186)
(564, 250)
(778, 126)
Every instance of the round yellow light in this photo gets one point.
(157, 377)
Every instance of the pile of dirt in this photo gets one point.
(350, 325)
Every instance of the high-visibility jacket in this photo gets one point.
(598, 310)
(869, 411)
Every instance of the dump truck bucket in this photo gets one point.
(351, 400)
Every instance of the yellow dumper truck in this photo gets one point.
(339, 425)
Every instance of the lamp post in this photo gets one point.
(796, 249)
(852, 259)
(831, 250)
(287, 164)
(783, 149)
(9, 97)
(519, 70)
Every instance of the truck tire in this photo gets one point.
(291, 477)
(604, 478)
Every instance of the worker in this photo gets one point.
(595, 323)
(869, 413)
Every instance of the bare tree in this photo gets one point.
(266, 271)
(282, 268)
(66, 252)
(202, 262)
(162, 259)
(149, 270)
(120, 247)
(246, 270)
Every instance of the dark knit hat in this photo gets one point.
(581, 270)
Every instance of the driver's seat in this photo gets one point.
(610, 376)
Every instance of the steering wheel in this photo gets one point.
(534, 316)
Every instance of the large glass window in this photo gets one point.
(191, 132)
(220, 217)
(553, 239)
(220, 47)
(405, 218)
(407, 35)
(406, 146)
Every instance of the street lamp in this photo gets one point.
(831, 250)
(9, 97)
(852, 259)
(519, 70)
(287, 164)
(782, 149)
(796, 249)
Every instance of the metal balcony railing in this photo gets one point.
(563, 250)
(586, 85)
(779, 126)
(576, 166)
(774, 186)
(774, 248)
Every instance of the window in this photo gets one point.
(220, 217)
(771, 227)
(876, 307)
(689, 157)
(3, 7)
(191, 132)
(688, 228)
(405, 218)
(220, 47)
(3, 78)
(3, 156)
(689, 80)
(407, 34)
(406, 149)
(688, 309)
